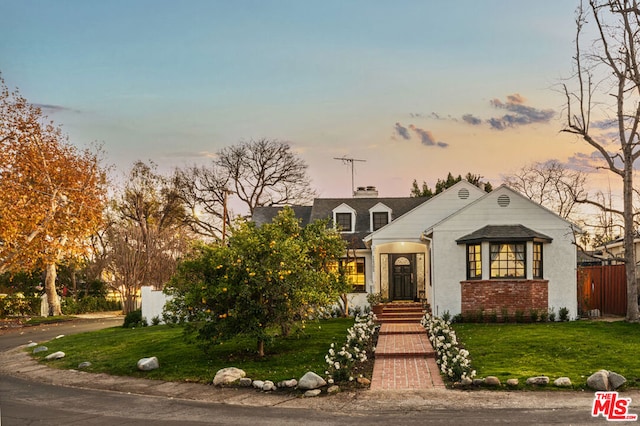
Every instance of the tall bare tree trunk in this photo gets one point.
(629, 246)
(50, 289)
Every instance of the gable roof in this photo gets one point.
(496, 193)
(463, 194)
(322, 208)
(503, 233)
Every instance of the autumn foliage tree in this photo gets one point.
(269, 275)
(51, 192)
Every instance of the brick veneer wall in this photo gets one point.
(497, 295)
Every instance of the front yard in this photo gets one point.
(573, 349)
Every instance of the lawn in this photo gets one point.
(117, 350)
(572, 349)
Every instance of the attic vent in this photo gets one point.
(463, 194)
(504, 200)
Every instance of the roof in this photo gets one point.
(266, 214)
(504, 233)
(322, 208)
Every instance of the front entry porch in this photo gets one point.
(403, 274)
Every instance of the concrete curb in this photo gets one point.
(18, 363)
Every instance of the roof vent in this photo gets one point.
(504, 200)
(463, 194)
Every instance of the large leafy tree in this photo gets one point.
(51, 192)
(266, 276)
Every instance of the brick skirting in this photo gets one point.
(494, 296)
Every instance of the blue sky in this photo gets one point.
(416, 88)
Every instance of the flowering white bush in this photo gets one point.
(454, 362)
(343, 363)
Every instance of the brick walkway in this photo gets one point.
(404, 359)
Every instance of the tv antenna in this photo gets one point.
(350, 161)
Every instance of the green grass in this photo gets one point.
(572, 349)
(117, 350)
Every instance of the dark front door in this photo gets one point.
(402, 277)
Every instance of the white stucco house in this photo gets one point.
(461, 251)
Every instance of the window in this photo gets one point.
(353, 269)
(474, 262)
(380, 219)
(343, 222)
(508, 260)
(537, 260)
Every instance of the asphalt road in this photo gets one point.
(26, 402)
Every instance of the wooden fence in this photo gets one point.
(603, 288)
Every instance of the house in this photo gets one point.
(461, 251)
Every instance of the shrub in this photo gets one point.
(563, 314)
(534, 315)
(19, 305)
(343, 363)
(552, 315)
(544, 316)
(453, 361)
(519, 315)
(86, 304)
(134, 319)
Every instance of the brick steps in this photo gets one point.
(405, 358)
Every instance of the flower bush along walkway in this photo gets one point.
(453, 361)
(405, 358)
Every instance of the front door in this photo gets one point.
(403, 285)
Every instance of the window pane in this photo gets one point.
(474, 261)
(354, 271)
(508, 260)
(537, 260)
(343, 221)
(380, 219)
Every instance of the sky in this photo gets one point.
(416, 88)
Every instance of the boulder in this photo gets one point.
(148, 364)
(599, 380)
(228, 375)
(478, 382)
(363, 381)
(312, 393)
(258, 384)
(333, 389)
(32, 345)
(40, 349)
(55, 355)
(291, 383)
(513, 382)
(492, 381)
(269, 386)
(466, 381)
(538, 380)
(245, 382)
(85, 364)
(59, 336)
(616, 380)
(562, 382)
(311, 381)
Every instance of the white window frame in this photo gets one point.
(379, 208)
(344, 208)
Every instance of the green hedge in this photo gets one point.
(70, 306)
(18, 305)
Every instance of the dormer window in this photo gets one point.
(343, 222)
(344, 218)
(379, 215)
(379, 220)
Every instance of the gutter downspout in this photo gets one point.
(431, 269)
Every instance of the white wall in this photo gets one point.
(153, 302)
(559, 257)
